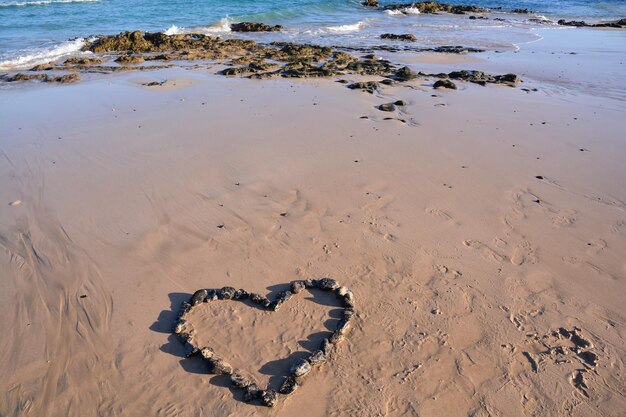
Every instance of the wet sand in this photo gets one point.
(482, 234)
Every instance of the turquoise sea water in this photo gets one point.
(33, 31)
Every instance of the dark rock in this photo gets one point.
(83, 61)
(260, 300)
(399, 103)
(387, 107)
(309, 283)
(404, 37)
(198, 297)
(371, 3)
(369, 86)
(226, 293)
(405, 74)
(241, 294)
(318, 357)
(326, 284)
(348, 314)
(300, 368)
(240, 381)
(445, 84)
(211, 295)
(254, 27)
(297, 286)
(346, 296)
(281, 298)
(130, 59)
(456, 49)
(511, 79)
(252, 392)
(521, 11)
(184, 309)
(269, 398)
(219, 366)
(289, 385)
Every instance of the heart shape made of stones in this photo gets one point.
(299, 369)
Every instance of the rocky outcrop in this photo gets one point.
(254, 27)
(371, 3)
(618, 24)
(407, 37)
(435, 7)
(445, 84)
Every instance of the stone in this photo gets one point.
(206, 352)
(198, 297)
(260, 300)
(240, 381)
(309, 283)
(343, 326)
(336, 337)
(387, 107)
(130, 59)
(368, 86)
(289, 385)
(219, 366)
(254, 27)
(241, 294)
(407, 37)
(318, 357)
(405, 74)
(326, 284)
(445, 84)
(326, 346)
(297, 286)
(348, 314)
(185, 308)
(83, 61)
(269, 398)
(399, 103)
(226, 293)
(281, 298)
(300, 368)
(511, 79)
(179, 326)
(252, 392)
(211, 295)
(371, 3)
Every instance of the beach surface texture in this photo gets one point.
(462, 189)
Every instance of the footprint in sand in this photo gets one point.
(523, 252)
(486, 252)
(442, 215)
(564, 218)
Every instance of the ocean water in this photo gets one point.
(37, 31)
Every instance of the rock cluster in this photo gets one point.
(435, 7)
(404, 37)
(254, 27)
(299, 369)
(618, 24)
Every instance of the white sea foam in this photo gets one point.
(403, 12)
(222, 25)
(345, 28)
(30, 58)
(174, 30)
(43, 2)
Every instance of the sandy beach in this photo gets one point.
(482, 231)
